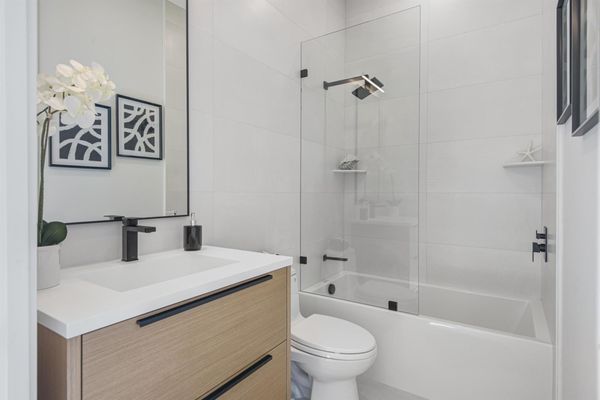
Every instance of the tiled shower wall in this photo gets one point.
(481, 102)
(246, 117)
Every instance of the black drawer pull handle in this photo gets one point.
(238, 378)
(196, 303)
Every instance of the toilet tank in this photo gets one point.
(295, 298)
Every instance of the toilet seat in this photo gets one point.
(333, 338)
(333, 356)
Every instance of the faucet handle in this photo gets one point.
(114, 217)
(130, 221)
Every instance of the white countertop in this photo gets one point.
(79, 306)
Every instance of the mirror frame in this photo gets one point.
(118, 218)
(563, 110)
(580, 124)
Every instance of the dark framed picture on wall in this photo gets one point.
(584, 66)
(76, 147)
(139, 128)
(563, 61)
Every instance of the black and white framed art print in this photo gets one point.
(139, 128)
(76, 147)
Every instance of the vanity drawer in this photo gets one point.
(183, 351)
(265, 379)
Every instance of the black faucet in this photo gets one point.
(130, 237)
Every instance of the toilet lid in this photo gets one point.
(332, 335)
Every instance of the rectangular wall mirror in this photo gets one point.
(134, 160)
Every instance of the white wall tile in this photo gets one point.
(500, 221)
(249, 91)
(336, 15)
(476, 166)
(504, 108)
(318, 161)
(400, 121)
(383, 122)
(391, 169)
(251, 159)
(491, 271)
(201, 142)
(359, 11)
(278, 160)
(310, 15)
(389, 35)
(201, 13)
(235, 163)
(201, 73)
(313, 115)
(239, 220)
(260, 31)
(452, 17)
(502, 52)
(257, 221)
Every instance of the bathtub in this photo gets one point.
(458, 346)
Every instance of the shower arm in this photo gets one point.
(360, 78)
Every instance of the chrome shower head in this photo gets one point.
(371, 86)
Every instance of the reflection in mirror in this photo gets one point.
(141, 166)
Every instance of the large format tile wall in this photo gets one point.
(481, 101)
(244, 129)
(245, 62)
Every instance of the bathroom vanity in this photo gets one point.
(212, 324)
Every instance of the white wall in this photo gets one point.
(579, 243)
(244, 129)
(17, 200)
(579, 308)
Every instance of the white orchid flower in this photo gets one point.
(64, 70)
(78, 112)
(77, 66)
(73, 92)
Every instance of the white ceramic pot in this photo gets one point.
(48, 267)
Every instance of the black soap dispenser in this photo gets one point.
(192, 235)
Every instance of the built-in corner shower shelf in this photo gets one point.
(349, 171)
(525, 164)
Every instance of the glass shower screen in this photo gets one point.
(360, 163)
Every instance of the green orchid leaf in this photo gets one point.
(53, 233)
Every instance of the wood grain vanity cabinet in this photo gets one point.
(230, 344)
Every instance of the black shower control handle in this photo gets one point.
(540, 247)
(326, 257)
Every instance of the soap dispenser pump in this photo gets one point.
(192, 235)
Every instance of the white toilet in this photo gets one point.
(332, 351)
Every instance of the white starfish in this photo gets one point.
(527, 154)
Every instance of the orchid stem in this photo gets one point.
(43, 147)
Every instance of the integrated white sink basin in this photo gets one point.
(125, 276)
(94, 296)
